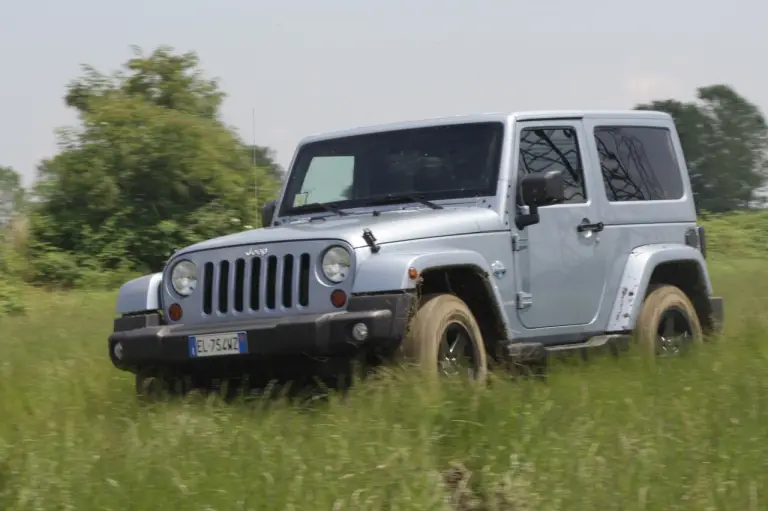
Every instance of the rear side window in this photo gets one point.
(638, 163)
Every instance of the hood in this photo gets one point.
(389, 227)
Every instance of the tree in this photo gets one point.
(268, 176)
(263, 157)
(161, 78)
(150, 169)
(725, 140)
(11, 194)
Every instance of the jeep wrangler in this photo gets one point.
(452, 242)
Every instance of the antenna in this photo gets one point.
(255, 173)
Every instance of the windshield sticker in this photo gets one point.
(300, 199)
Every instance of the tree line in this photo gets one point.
(152, 167)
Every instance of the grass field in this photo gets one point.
(612, 435)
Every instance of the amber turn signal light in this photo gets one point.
(175, 312)
(338, 298)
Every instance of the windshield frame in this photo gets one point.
(308, 150)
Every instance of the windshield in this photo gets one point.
(432, 163)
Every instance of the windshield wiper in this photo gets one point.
(395, 198)
(319, 206)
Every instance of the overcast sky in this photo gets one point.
(309, 66)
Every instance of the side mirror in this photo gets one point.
(543, 189)
(268, 213)
(536, 190)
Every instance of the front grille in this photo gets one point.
(256, 284)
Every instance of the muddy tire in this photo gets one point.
(442, 335)
(667, 323)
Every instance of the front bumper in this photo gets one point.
(143, 341)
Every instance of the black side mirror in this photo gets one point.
(536, 190)
(268, 213)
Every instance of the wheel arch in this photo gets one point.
(678, 265)
(473, 286)
(464, 273)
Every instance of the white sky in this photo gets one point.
(309, 66)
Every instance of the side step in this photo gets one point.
(535, 352)
(599, 341)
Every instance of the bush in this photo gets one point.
(71, 271)
(739, 235)
(11, 298)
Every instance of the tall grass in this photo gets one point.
(611, 435)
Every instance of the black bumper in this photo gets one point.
(143, 340)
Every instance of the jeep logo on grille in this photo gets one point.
(252, 252)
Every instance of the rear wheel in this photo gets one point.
(443, 338)
(668, 323)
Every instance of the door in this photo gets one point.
(562, 268)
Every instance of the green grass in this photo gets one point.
(612, 435)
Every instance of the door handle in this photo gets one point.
(586, 226)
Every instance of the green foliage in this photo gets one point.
(11, 194)
(725, 140)
(263, 158)
(738, 235)
(162, 78)
(151, 169)
(610, 435)
(12, 267)
(11, 298)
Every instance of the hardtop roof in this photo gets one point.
(527, 115)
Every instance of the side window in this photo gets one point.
(544, 149)
(328, 178)
(638, 163)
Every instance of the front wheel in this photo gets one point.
(444, 338)
(153, 385)
(667, 323)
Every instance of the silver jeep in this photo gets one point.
(453, 242)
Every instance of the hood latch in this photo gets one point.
(370, 239)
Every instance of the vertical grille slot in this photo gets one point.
(208, 288)
(223, 286)
(271, 282)
(287, 280)
(304, 280)
(239, 284)
(254, 283)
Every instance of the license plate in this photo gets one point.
(214, 345)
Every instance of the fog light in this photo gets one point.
(360, 331)
(117, 349)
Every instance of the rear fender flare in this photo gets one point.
(637, 275)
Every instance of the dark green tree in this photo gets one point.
(151, 168)
(725, 140)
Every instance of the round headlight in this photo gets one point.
(336, 264)
(184, 277)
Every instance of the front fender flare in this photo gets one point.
(140, 295)
(388, 272)
(637, 274)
